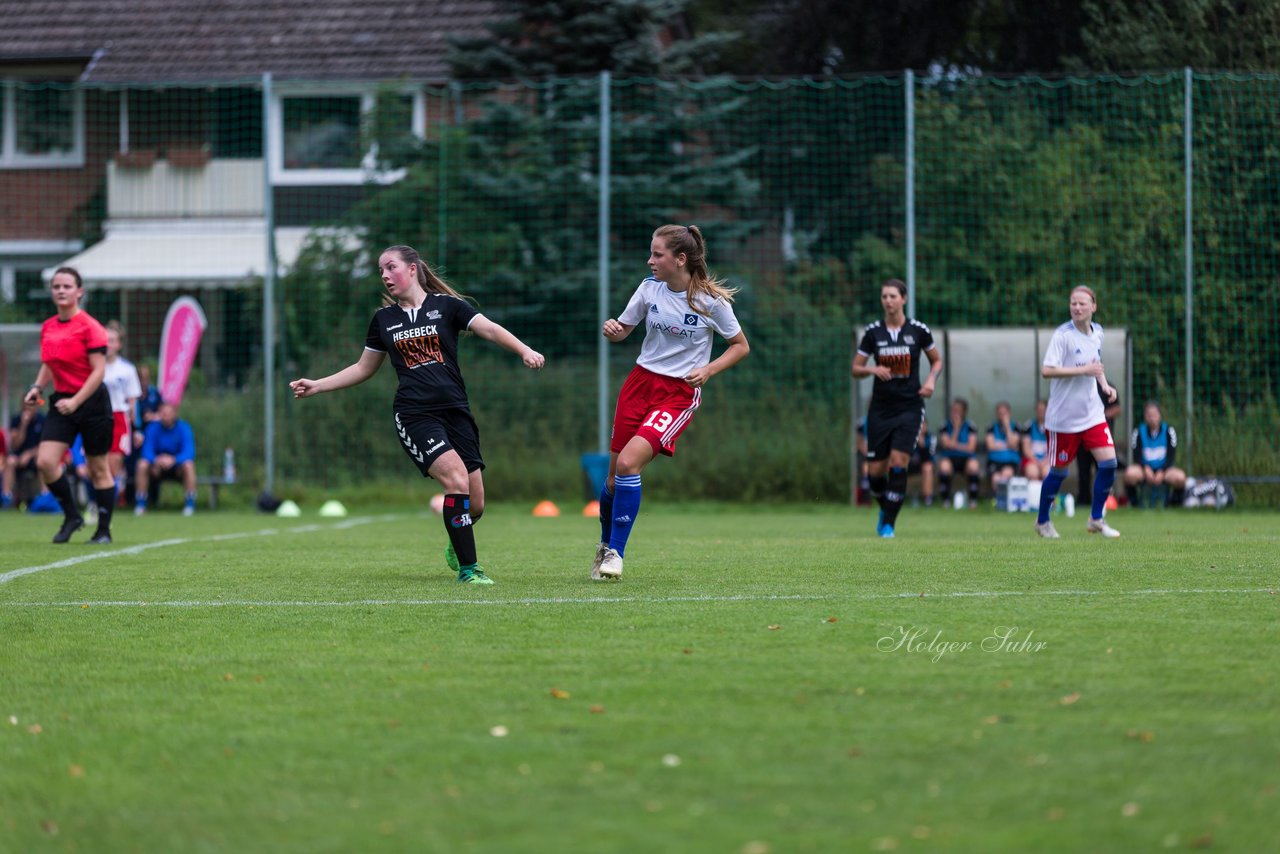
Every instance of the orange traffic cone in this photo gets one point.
(592, 510)
(1111, 504)
(546, 509)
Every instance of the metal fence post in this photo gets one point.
(1187, 237)
(268, 298)
(602, 313)
(909, 156)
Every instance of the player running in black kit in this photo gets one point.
(419, 330)
(897, 397)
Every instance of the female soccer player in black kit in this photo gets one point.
(419, 329)
(897, 397)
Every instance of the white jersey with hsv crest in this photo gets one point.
(677, 339)
(1074, 402)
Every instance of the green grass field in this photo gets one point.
(761, 680)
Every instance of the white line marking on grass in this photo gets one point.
(960, 594)
(592, 600)
(5, 578)
(72, 561)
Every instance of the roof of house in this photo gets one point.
(153, 41)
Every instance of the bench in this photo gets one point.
(213, 483)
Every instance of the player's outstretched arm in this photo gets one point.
(370, 361)
(498, 334)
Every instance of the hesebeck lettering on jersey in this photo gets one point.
(415, 332)
(897, 359)
(418, 346)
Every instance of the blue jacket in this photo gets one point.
(178, 441)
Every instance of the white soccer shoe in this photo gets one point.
(610, 565)
(601, 549)
(1100, 526)
(1047, 531)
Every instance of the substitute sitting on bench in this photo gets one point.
(168, 451)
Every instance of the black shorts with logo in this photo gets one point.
(893, 429)
(92, 421)
(426, 436)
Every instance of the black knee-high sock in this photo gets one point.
(974, 483)
(106, 499)
(944, 486)
(457, 524)
(61, 489)
(878, 483)
(895, 495)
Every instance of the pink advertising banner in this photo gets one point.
(179, 341)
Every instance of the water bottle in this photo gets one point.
(229, 465)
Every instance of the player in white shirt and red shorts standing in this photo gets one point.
(1075, 419)
(682, 308)
(124, 388)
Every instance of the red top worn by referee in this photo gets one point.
(73, 355)
(682, 308)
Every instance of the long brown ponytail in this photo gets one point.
(688, 240)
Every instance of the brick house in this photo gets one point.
(139, 140)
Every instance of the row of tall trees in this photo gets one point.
(841, 37)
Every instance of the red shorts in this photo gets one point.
(121, 435)
(654, 407)
(1063, 447)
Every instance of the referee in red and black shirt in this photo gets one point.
(73, 354)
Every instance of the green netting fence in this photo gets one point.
(992, 197)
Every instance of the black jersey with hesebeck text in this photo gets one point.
(423, 346)
(899, 350)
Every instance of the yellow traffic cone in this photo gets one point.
(546, 509)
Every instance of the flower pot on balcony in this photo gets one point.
(187, 157)
(137, 159)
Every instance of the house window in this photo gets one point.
(318, 138)
(322, 133)
(41, 126)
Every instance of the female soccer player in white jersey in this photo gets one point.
(1075, 417)
(124, 387)
(419, 330)
(681, 307)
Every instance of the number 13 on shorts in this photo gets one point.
(659, 420)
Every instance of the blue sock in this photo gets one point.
(606, 514)
(626, 506)
(1102, 487)
(1049, 491)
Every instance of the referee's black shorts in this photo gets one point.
(892, 429)
(92, 421)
